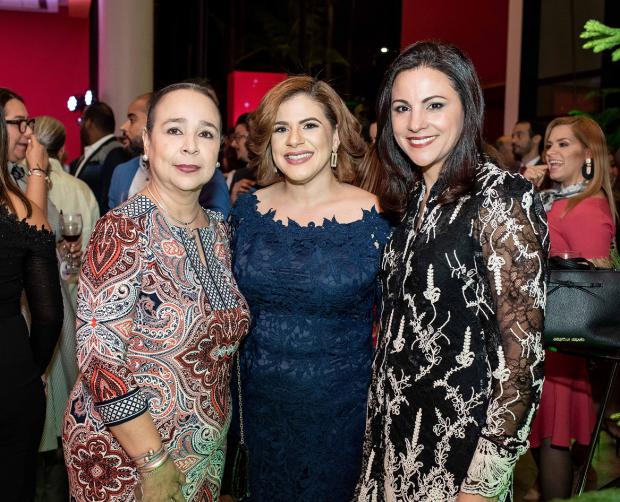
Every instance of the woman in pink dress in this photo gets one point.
(159, 320)
(581, 216)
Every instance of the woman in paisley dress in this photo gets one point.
(306, 253)
(159, 320)
(459, 365)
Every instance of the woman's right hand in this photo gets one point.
(161, 485)
(536, 174)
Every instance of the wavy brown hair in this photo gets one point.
(7, 183)
(352, 146)
(591, 136)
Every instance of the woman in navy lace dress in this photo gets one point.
(306, 252)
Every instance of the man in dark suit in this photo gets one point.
(102, 153)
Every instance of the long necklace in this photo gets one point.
(167, 212)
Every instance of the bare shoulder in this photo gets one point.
(359, 197)
(37, 217)
(267, 195)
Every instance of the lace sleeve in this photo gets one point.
(513, 238)
(108, 290)
(42, 288)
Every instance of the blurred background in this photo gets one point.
(527, 52)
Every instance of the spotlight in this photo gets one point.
(384, 50)
(78, 102)
(72, 103)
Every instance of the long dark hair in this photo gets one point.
(459, 169)
(7, 183)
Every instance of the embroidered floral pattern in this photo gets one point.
(458, 371)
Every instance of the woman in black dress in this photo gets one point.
(27, 263)
(458, 370)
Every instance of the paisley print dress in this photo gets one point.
(156, 333)
(459, 367)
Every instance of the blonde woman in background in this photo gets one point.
(68, 193)
(582, 217)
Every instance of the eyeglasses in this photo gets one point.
(22, 124)
(239, 137)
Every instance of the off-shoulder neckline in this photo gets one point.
(328, 223)
(23, 222)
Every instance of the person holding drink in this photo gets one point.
(582, 218)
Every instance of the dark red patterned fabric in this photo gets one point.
(148, 330)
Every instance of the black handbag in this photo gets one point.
(583, 306)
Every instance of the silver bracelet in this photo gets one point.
(36, 171)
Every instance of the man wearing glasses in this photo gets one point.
(24, 149)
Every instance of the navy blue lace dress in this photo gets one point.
(305, 366)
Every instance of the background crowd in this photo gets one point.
(414, 227)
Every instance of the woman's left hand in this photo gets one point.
(470, 497)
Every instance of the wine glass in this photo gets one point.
(569, 254)
(71, 230)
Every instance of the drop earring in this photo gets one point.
(333, 161)
(145, 157)
(587, 170)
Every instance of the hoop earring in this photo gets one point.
(333, 161)
(587, 170)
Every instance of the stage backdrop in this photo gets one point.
(246, 89)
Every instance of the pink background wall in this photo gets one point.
(45, 59)
(246, 89)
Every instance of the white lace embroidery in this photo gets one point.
(423, 342)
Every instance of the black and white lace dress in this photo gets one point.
(459, 367)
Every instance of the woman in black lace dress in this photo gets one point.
(27, 263)
(458, 370)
